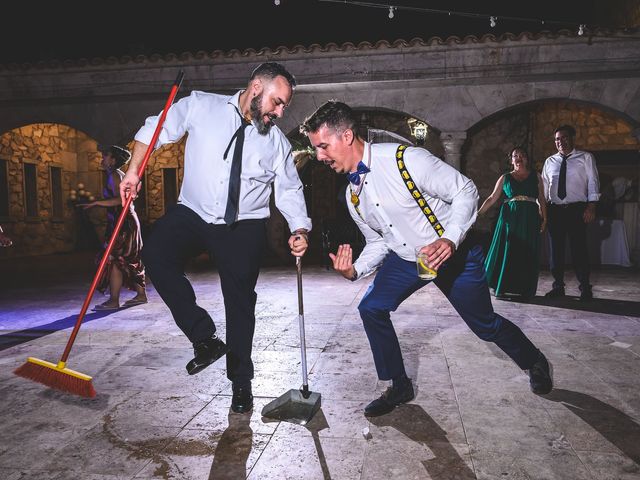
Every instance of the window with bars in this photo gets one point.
(57, 204)
(30, 190)
(170, 186)
(4, 188)
(140, 202)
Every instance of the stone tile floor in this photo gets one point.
(473, 417)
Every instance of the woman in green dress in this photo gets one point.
(513, 258)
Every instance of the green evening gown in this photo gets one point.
(513, 259)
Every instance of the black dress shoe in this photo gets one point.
(555, 292)
(242, 400)
(540, 376)
(586, 294)
(390, 399)
(205, 353)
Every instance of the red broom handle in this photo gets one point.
(123, 214)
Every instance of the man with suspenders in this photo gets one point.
(402, 198)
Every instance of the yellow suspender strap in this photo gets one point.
(415, 193)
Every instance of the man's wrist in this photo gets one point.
(301, 231)
(354, 277)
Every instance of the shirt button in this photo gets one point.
(377, 204)
(404, 244)
(390, 226)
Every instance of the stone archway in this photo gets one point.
(53, 159)
(601, 130)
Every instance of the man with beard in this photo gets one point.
(234, 154)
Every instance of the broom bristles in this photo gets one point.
(52, 376)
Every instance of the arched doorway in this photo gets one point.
(608, 134)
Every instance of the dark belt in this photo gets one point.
(567, 205)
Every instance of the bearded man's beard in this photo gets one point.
(256, 113)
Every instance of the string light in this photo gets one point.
(492, 18)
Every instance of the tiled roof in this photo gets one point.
(313, 48)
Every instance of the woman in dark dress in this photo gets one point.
(513, 259)
(124, 266)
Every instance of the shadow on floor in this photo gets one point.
(317, 423)
(233, 449)
(597, 305)
(616, 426)
(12, 339)
(413, 422)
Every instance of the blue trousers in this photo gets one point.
(238, 250)
(462, 280)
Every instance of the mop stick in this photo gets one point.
(58, 376)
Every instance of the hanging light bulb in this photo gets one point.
(581, 29)
(391, 9)
(277, 2)
(492, 21)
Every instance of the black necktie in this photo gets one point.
(233, 199)
(562, 179)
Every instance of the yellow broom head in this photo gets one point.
(57, 376)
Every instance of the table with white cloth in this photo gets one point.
(606, 241)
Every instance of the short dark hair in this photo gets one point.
(336, 115)
(566, 128)
(272, 70)
(120, 154)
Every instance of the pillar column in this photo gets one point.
(452, 142)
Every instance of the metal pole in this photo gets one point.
(303, 347)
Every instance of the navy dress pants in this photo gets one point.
(462, 280)
(238, 250)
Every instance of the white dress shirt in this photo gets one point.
(582, 178)
(211, 120)
(390, 218)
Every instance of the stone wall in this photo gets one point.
(168, 156)
(61, 146)
(596, 129)
(44, 145)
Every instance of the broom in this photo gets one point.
(58, 376)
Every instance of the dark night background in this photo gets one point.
(71, 30)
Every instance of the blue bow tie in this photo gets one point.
(354, 177)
